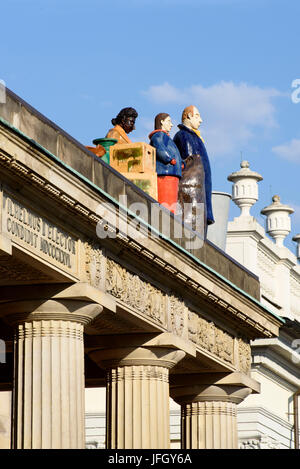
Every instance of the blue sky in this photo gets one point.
(79, 62)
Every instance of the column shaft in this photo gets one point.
(5, 419)
(48, 397)
(208, 408)
(209, 425)
(138, 407)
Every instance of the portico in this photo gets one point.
(142, 315)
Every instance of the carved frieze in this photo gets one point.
(261, 442)
(169, 311)
(193, 321)
(178, 316)
(224, 345)
(211, 338)
(135, 292)
(244, 354)
(95, 265)
(206, 335)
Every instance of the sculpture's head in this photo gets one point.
(126, 119)
(191, 117)
(163, 121)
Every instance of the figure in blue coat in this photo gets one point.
(194, 192)
(168, 161)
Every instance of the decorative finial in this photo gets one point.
(278, 223)
(245, 188)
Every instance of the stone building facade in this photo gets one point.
(265, 420)
(268, 420)
(93, 295)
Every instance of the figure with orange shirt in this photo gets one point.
(123, 124)
(168, 161)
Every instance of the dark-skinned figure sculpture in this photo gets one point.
(195, 185)
(123, 124)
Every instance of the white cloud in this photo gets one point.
(289, 151)
(231, 112)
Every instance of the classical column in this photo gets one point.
(208, 410)
(5, 419)
(137, 409)
(48, 391)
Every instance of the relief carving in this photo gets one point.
(193, 326)
(95, 265)
(261, 442)
(224, 346)
(163, 309)
(244, 356)
(206, 335)
(135, 292)
(215, 340)
(178, 312)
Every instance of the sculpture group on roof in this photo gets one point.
(177, 173)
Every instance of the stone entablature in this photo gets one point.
(165, 309)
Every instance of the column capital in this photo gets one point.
(234, 387)
(136, 356)
(19, 312)
(163, 350)
(209, 393)
(78, 302)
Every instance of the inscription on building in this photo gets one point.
(37, 234)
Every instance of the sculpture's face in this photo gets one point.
(167, 124)
(128, 124)
(195, 119)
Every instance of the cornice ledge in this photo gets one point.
(266, 413)
(284, 351)
(278, 373)
(278, 254)
(246, 225)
